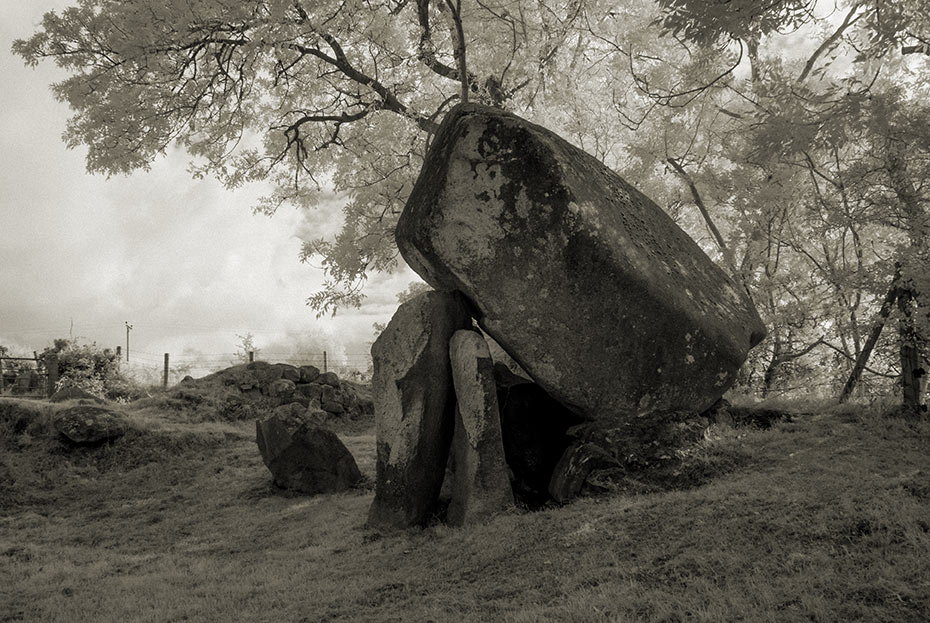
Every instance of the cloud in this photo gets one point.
(184, 261)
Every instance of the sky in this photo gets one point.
(185, 262)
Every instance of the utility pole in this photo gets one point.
(128, 329)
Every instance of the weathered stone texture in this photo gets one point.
(588, 284)
(303, 456)
(414, 407)
(481, 486)
(87, 424)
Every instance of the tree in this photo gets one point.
(798, 167)
(246, 348)
(297, 93)
(837, 124)
(87, 366)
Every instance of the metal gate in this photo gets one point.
(28, 381)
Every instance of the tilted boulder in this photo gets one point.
(302, 455)
(481, 484)
(583, 280)
(414, 408)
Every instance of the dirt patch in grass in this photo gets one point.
(819, 519)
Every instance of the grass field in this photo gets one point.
(825, 518)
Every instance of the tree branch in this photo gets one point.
(851, 18)
(699, 202)
(341, 62)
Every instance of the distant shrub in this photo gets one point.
(91, 368)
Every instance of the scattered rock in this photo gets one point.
(313, 391)
(289, 372)
(329, 378)
(573, 468)
(414, 407)
(88, 424)
(481, 484)
(332, 400)
(583, 280)
(264, 373)
(303, 456)
(282, 388)
(308, 374)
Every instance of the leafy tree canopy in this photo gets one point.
(797, 128)
(297, 93)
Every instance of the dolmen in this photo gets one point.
(614, 314)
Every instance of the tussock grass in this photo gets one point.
(823, 518)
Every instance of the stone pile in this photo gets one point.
(281, 384)
(615, 314)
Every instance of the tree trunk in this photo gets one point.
(911, 371)
(768, 379)
(869, 345)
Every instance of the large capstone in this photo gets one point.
(582, 279)
(414, 405)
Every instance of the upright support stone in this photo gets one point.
(481, 485)
(414, 408)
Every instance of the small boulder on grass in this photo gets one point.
(302, 455)
(89, 425)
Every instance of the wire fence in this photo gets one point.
(27, 376)
(168, 369)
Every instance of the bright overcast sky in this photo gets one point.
(184, 261)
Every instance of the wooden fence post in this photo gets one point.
(251, 356)
(51, 369)
(166, 371)
(324, 361)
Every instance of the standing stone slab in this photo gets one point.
(481, 485)
(414, 407)
(583, 280)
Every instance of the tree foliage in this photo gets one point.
(294, 92)
(87, 366)
(788, 136)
